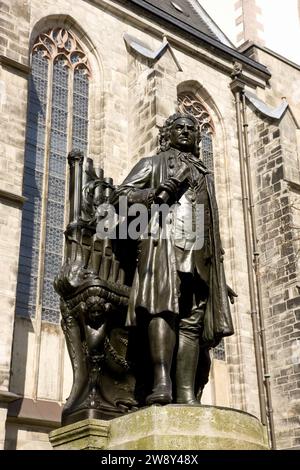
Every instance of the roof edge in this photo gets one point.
(248, 45)
(207, 40)
(212, 24)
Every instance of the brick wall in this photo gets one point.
(278, 246)
(248, 26)
(142, 107)
(14, 22)
(284, 82)
(14, 31)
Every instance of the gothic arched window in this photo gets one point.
(57, 121)
(187, 103)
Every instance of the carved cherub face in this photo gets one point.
(183, 134)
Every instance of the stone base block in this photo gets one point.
(171, 427)
(89, 434)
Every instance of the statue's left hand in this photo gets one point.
(231, 294)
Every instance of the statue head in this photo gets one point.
(180, 131)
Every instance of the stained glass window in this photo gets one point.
(189, 104)
(57, 121)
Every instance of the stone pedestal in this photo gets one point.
(171, 427)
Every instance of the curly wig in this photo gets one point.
(165, 131)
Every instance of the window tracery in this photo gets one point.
(57, 121)
(189, 104)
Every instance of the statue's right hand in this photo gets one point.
(169, 185)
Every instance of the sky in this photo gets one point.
(280, 19)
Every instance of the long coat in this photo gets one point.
(156, 286)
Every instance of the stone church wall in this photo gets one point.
(276, 158)
(130, 97)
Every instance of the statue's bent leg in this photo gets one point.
(162, 340)
(187, 357)
(186, 367)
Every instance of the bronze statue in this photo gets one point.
(140, 315)
(180, 289)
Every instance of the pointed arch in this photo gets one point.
(188, 103)
(215, 141)
(96, 82)
(193, 97)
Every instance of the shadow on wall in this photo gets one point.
(29, 244)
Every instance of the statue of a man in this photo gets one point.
(179, 290)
